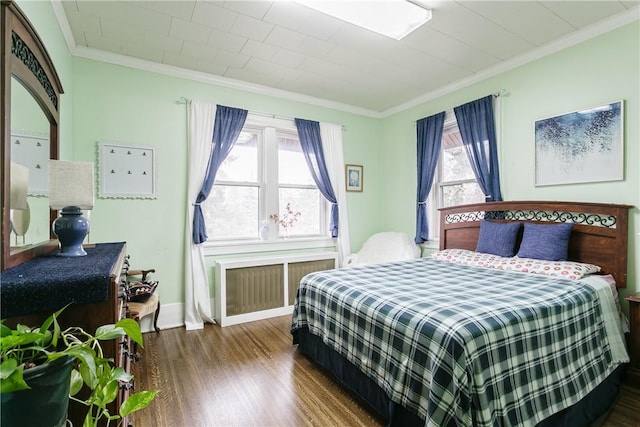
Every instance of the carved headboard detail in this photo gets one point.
(599, 236)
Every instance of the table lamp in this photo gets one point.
(70, 191)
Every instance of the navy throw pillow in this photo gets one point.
(498, 238)
(545, 241)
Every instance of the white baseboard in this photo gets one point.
(171, 316)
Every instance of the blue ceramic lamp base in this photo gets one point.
(71, 228)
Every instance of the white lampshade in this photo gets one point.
(18, 186)
(70, 184)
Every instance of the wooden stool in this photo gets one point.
(138, 310)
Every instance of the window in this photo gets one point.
(454, 181)
(264, 172)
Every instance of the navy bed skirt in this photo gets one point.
(584, 413)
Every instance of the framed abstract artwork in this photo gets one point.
(354, 177)
(126, 171)
(581, 146)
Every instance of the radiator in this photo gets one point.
(250, 289)
(297, 270)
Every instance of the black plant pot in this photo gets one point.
(46, 403)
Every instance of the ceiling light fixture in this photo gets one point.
(391, 18)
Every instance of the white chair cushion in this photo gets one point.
(384, 247)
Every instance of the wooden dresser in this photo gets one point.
(92, 285)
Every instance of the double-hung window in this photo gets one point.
(265, 174)
(454, 182)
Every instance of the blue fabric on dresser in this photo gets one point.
(48, 283)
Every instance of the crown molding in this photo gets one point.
(63, 23)
(597, 29)
(171, 70)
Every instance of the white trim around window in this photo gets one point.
(230, 247)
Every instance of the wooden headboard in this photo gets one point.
(599, 235)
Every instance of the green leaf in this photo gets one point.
(23, 329)
(120, 375)
(137, 401)
(132, 328)
(12, 341)
(108, 332)
(45, 325)
(109, 392)
(45, 341)
(56, 332)
(87, 366)
(89, 421)
(4, 330)
(7, 368)
(76, 382)
(14, 380)
(52, 319)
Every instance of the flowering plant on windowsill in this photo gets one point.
(287, 220)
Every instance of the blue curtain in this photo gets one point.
(311, 143)
(429, 132)
(477, 128)
(226, 129)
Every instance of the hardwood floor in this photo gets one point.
(251, 375)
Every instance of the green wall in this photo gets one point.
(120, 104)
(595, 72)
(116, 103)
(41, 15)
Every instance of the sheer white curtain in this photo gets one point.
(331, 136)
(197, 300)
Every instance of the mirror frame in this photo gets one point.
(24, 57)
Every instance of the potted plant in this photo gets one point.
(54, 364)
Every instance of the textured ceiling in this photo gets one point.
(288, 47)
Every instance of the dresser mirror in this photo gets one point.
(31, 93)
(29, 209)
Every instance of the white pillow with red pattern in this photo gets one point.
(567, 269)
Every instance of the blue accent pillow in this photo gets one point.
(498, 238)
(545, 241)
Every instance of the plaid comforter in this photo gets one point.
(461, 345)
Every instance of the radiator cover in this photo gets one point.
(249, 289)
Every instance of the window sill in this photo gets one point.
(431, 244)
(230, 247)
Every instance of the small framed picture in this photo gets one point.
(354, 177)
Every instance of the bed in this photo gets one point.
(437, 343)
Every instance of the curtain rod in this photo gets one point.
(184, 100)
(499, 93)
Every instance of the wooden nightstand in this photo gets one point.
(633, 372)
